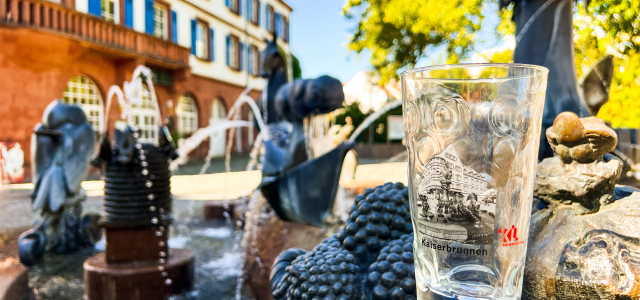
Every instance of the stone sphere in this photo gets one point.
(584, 140)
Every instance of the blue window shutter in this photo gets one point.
(267, 18)
(148, 16)
(278, 25)
(248, 65)
(228, 3)
(174, 26)
(128, 13)
(228, 46)
(260, 18)
(193, 36)
(95, 8)
(212, 46)
(240, 7)
(250, 9)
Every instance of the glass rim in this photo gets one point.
(410, 73)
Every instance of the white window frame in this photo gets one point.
(254, 14)
(270, 19)
(255, 61)
(217, 139)
(234, 53)
(160, 21)
(108, 15)
(187, 113)
(202, 42)
(285, 28)
(234, 6)
(83, 92)
(144, 117)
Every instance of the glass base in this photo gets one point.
(441, 294)
(464, 283)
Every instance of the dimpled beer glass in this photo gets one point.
(473, 132)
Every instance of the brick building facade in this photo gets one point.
(204, 53)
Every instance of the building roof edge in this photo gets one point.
(286, 5)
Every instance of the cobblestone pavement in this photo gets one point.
(15, 210)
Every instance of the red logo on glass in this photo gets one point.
(510, 236)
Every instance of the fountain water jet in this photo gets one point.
(137, 262)
(200, 135)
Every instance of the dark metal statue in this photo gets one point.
(137, 179)
(544, 36)
(371, 258)
(63, 145)
(287, 167)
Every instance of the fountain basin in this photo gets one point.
(138, 280)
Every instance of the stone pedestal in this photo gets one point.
(14, 280)
(132, 266)
(138, 280)
(266, 236)
(124, 244)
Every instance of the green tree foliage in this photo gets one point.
(612, 27)
(399, 32)
(295, 65)
(357, 117)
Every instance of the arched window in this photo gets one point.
(187, 114)
(144, 117)
(83, 92)
(217, 140)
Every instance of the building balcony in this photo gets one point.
(110, 38)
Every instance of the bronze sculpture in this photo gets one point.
(286, 164)
(63, 145)
(544, 31)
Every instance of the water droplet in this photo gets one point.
(167, 282)
(444, 117)
(161, 268)
(161, 228)
(144, 164)
(143, 157)
(139, 146)
(148, 183)
(502, 117)
(152, 208)
(161, 244)
(164, 274)
(162, 260)
(154, 220)
(504, 153)
(151, 196)
(480, 115)
(158, 233)
(163, 254)
(162, 210)
(145, 172)
(136, 135)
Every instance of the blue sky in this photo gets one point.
(319, 35)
